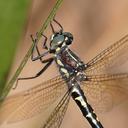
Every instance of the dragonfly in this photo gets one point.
(97, 82)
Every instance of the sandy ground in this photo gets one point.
(95, 25)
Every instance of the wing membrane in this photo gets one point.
(35, 99)
(106, 91)
(56, 117)
(109, 59)
(103, 91)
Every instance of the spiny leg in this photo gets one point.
(48, 61)
(45, 41)
(61, 28)
(35, 46)
(53, 30)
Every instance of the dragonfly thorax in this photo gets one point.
(60, 40)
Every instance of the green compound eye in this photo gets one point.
(58, 39)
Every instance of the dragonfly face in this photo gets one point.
(60, 40)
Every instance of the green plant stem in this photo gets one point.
(24, 61)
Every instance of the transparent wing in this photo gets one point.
(56, 117)
(106, 91)
(36, 99)
(110, 59)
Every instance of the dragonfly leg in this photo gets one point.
(35, 46)
(61, 28)
(53, 30)
(48, 61)
(45, 41)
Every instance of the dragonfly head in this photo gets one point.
(60, 40)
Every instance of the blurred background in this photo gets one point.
(95, 26)
(13, 16)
